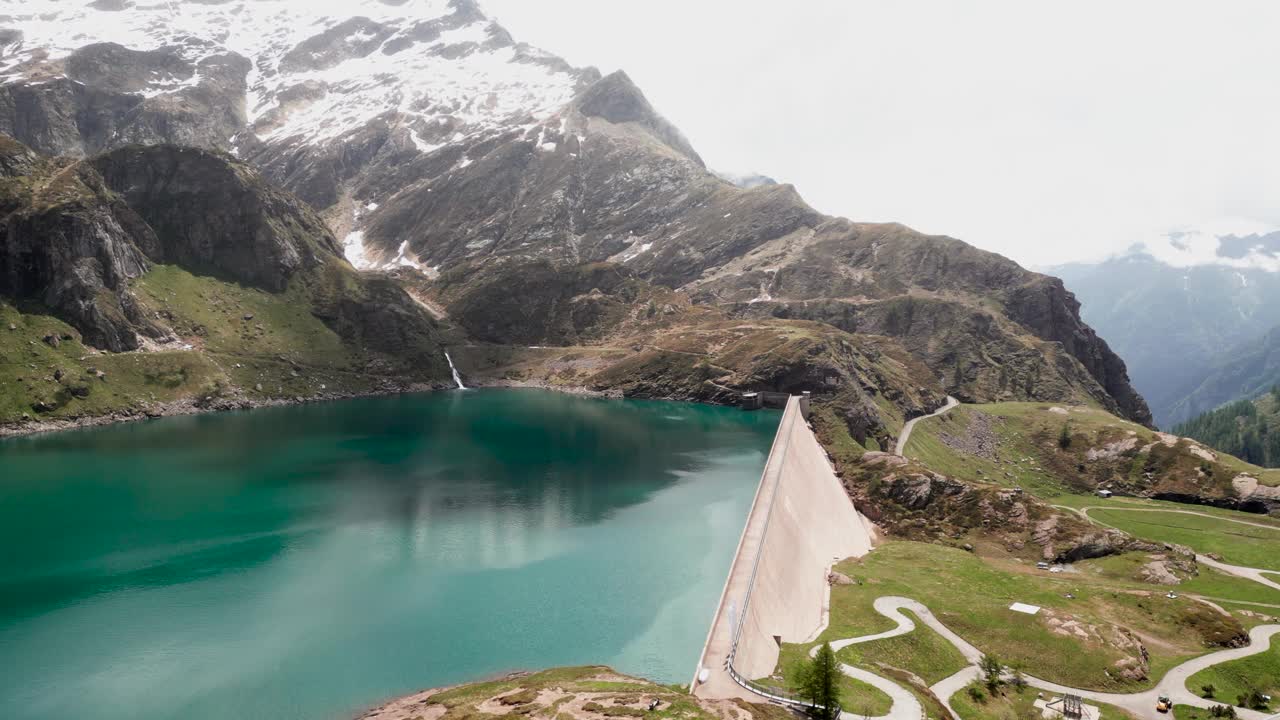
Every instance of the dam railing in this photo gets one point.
(792, 412)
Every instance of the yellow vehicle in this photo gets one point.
(1163, 704)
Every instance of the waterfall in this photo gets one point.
(456, 377)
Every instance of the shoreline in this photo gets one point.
(196, 406)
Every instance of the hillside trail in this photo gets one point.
(1140, 704)
(1085, 512)
(911, 424)
(1258, 575)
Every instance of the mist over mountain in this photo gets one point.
(1180, 328)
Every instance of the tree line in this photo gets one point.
(1248, 429)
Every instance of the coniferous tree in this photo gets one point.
(1241, 429)
(818, 682)
(991, 671)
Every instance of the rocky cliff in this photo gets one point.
(227, 286)
(528, 201)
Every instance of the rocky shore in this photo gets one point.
(197, 406)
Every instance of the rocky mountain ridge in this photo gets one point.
(218, 285)
(436, 146)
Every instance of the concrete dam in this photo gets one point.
(800, 523)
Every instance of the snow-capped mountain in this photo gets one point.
(535, 203)
(316, 70)
(313, 92)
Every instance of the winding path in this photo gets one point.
(1254, 574)
(1141, 705)
(911, 424)
(1248, 573)
(1121, 508)
(906, 706)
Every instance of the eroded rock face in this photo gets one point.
(211, 215)
(1098, 544)
(918, 491)
(72, 246)
(74, 233)
(100, 96)
(1052, 312)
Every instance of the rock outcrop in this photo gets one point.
(71, 245)
(215, 216)
(79, 240)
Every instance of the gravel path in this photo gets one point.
(911, 424)
(1085, 512)
(1141, 705)
(1248, 573)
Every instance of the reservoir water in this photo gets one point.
(307, 562)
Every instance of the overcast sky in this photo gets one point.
(1044, 131)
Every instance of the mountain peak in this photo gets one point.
(312, 75)
(617, 99)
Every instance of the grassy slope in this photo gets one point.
(923, 651)
(855, 696)
(1026, 462)
(28, 366)
(1260, 672)
(1029, 457)
(1208, 582)
(1012, 705)
(284, 348)
(1238, 544)
(282, 333)
(971, 596)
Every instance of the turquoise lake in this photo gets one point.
(308, 562)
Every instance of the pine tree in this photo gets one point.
(991, 671)
(1239, 429)
(818, 682)
(1064, 437)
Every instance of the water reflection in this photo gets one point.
(303, 562)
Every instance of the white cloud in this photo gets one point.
(1046, 132)
(1200, 245)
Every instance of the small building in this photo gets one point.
(1103, 493)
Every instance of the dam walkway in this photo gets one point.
(801, 523)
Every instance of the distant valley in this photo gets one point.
(1193, 338)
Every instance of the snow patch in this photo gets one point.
(353, 250)
(477, 87)
(636, 251)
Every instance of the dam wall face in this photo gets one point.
(802, 521)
